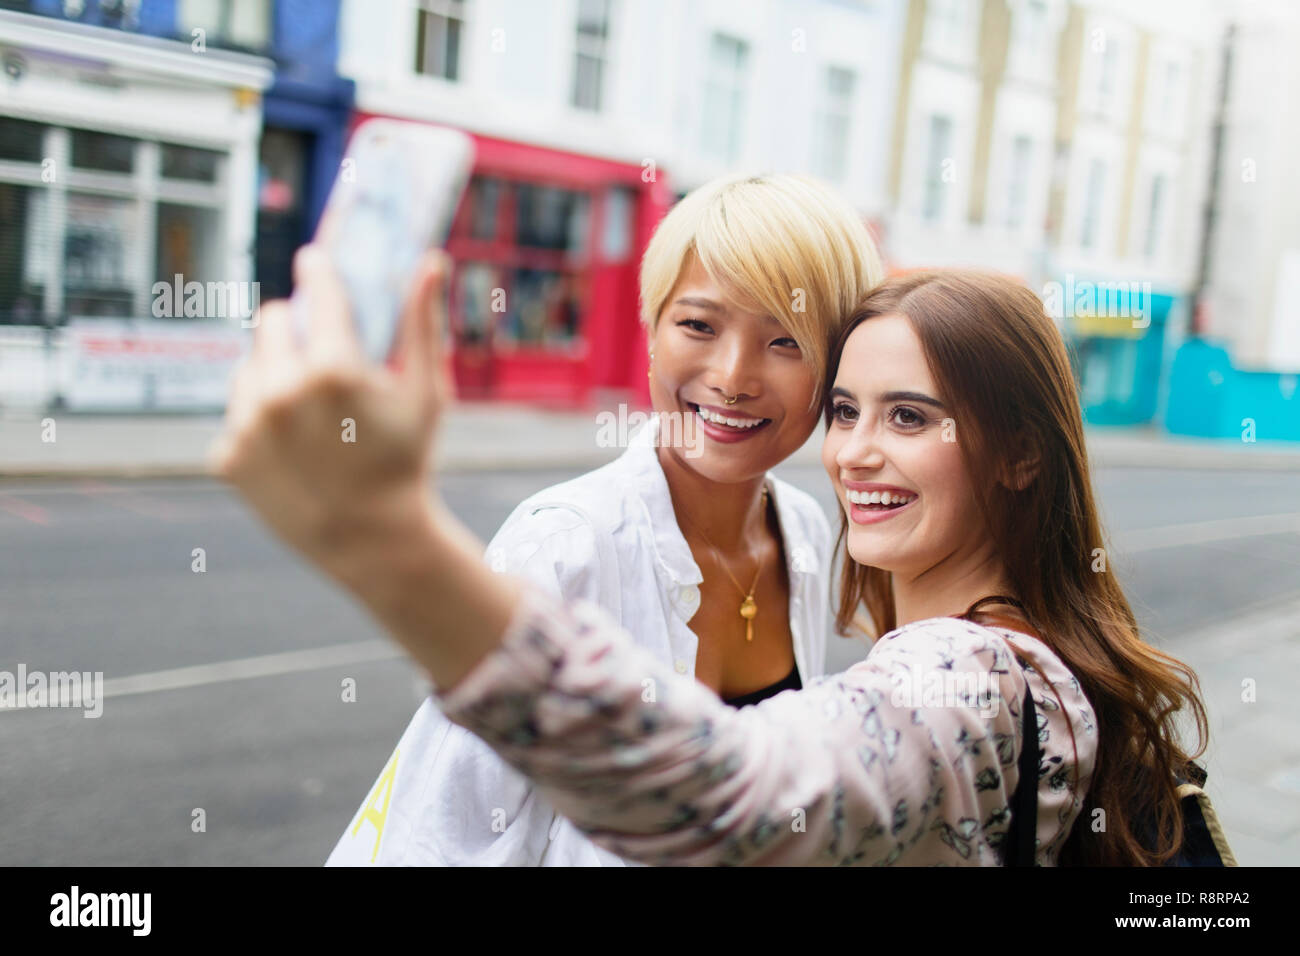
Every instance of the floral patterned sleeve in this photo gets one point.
(908, 757)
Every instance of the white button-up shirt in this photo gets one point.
(609, 536)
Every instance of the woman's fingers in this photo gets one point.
(240, 405)
(419, 349)
(331, 337)
(276, 357)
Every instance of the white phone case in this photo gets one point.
(394, 198)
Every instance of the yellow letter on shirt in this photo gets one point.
(371, 811)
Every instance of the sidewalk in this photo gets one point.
(495, 436)
(1247, 669)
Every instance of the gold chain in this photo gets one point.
(748, 607)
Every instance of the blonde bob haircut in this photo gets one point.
(781, 245)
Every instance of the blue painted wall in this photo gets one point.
(1211, 398)
(308, 95)
(305, 39)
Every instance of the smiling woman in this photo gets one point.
(955, 445)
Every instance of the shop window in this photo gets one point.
(616, 238)
(91, 253)
(551, 218)
(521, 250)
(102, 151)
(187, 245)
(478, 289)
(100, 245)
(21, 140)
(542, 309)
(186, 162)
(484, 208)
(22, 278)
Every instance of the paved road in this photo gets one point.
(98, 575)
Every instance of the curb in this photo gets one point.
(528, 439)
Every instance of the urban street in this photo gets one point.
(224, 686)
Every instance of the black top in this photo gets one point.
(789, 682)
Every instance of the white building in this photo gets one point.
(124, 160)
(698, 87)
(589, 116)
(1138, 124)
(973, 143)
(1254, 264)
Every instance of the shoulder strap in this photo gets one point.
(1022, 834)
(1019, 847)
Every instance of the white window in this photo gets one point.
(1030, 42)
(1022, 152)
(949, 28)
(243, 23)
(118, 214)
(1107, 86)
(1169, 100)
(1155, 215)
(1093, 197)
(724, 97)
(834, 124)
(590, 53)
(937, 163)
(439, 28)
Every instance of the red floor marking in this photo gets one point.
(24, 509)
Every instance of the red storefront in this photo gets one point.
(546, 246)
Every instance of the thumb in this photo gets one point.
(420, 348)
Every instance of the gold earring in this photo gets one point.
(650, 371)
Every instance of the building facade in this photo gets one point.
(1236, 375)
(1065, 143)
(590, 118)
(141, 202)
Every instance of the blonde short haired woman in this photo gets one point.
(706, 559)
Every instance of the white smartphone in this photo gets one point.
(394, 197)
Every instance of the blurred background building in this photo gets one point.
(1127, 160)
(141, 142)
(591, 117)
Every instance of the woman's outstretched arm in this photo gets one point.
(858, 769)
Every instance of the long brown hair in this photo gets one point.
(1004, 372)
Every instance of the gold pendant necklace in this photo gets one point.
(748, 607)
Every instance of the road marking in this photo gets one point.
(24, 509)
(120, 496)
(246, 668)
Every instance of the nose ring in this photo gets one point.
(730, 401)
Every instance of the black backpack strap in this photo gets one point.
(1018, 850)
(1019, 847)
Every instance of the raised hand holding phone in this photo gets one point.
(320, 439)
(368, 291)
(332, 449)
